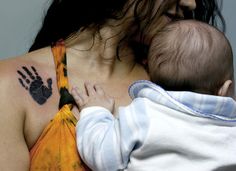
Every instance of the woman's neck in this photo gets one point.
(98, 51)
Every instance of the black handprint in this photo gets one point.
(35, 85)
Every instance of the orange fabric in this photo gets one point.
(56, 147)
(59, 53)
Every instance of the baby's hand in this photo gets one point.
(94, 96)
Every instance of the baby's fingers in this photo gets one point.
(89, 88)
(99, 89)
(80, 98)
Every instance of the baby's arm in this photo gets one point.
(104, 142)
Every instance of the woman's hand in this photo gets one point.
(94, 96)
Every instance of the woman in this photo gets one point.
(104, 44)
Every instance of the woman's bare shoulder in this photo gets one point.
(41, 56)
(16, 72)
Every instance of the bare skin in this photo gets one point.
(23, 118)
(93, 96)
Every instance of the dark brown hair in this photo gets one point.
(65, 17)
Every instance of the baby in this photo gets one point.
(185, 119)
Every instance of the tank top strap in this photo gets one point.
(59, 55)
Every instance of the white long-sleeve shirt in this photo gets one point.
(160, 130)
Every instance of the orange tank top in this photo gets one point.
(56, 149)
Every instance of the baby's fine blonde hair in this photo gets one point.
(189, 55)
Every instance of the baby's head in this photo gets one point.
(193, 56)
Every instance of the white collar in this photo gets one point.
(210, 106)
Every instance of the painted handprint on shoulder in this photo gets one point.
(32, 82)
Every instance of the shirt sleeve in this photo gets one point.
(105, 142)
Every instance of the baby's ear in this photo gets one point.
(225, 88)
